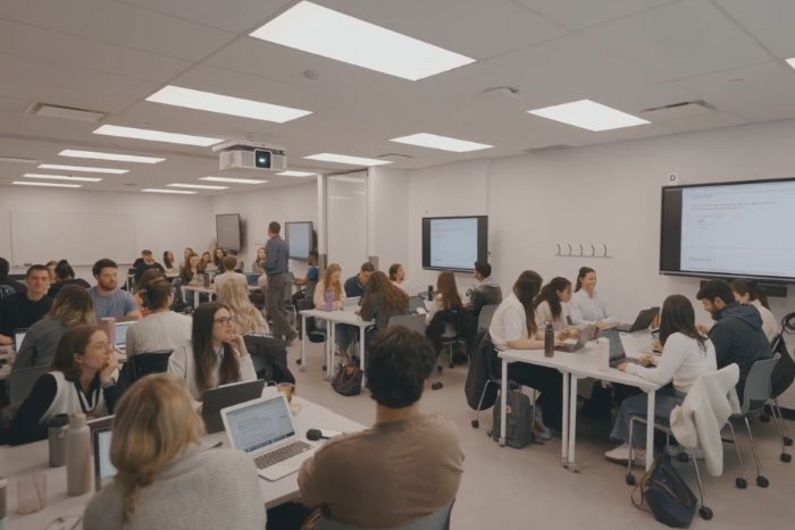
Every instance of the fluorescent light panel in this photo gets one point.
(292, 173)
(96, 155)
(84, 169)
(161, 190)
(198, 187)
(46, 184)
(61, 177)
(347, 159)
(590, 115)
(233, 180)
(18, 160)
(322, 31)
(246, 108)
(443, 143)
(156, 136)
(791, 62)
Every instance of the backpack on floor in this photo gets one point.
(519, 420)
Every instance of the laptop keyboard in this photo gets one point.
(280, 455)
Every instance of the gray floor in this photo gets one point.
(506, 488)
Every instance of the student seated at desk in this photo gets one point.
(218, 259)
(397, 275)
(8, 287)
(246, 318)
(382, 300)
(161, 328)
(513, 327)
(259, 262)
(22, 310)
(170, 263)
(207, 260)
(215, 355)
(406, 466)
(147, 263)
(146, 279)
(686, 356)
(229, 263)
(71, 308)
(487, 292)
(330, 286)
(165, 478)
(80, 381)
(552, 306)
(193, 272)
(748, 293)
(109, 300)
(354, 286)
(446, 316)
(51, 270)
(586, 307)
(309, 282)
(65, 275)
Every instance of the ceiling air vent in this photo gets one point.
(547, 148)
(68, 113)
(675, 111)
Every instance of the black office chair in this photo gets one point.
(141, 365)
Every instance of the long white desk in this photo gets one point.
(347, 315)
(582, 364)
(26, 459)
(196, 290)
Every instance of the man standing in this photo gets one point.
(109, 300)
(23, 309)
(354, 286)
(276, 256)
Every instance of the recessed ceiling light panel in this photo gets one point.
(156, 136)
(84, 169)
(347, 159)
(161, 190)
(61, 177)
(96, 155)
(299, 174)
(46, 184)
(322, 31)
(198, 187)
(233, 180)
(590, 115)
(443, 143)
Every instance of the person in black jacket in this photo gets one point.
(8, 287)
(488, 291)
(737, 333)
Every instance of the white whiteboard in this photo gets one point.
(81, 238)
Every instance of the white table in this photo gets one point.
(196, 289)
(347, 315)
(580, 365)
(25, 459)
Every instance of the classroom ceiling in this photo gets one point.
(108, 56)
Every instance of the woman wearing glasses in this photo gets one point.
(215, 355)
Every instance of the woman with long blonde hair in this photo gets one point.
(164, 479)
(233, 293)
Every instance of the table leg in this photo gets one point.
(572, 460)
(332, 365)
(650, 429)
(195, 299)
(303, 344)
(564, 435)
(361, 353)
(503, 402)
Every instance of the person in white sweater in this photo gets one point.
(552, 305)
(748, 293)
(686, 355)
(586, 307)
(161, 328)
(215, 355)
(165, 479)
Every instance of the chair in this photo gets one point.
(485, 316)
(141, 365)
(292, 312)
(781, 379)
(21, 382)
(494, 368)
(439, 520)
(757, 392)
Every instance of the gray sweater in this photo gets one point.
(203, 490)
(41, 340)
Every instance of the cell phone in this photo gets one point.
(65, 522)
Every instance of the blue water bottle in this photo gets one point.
(329, 299)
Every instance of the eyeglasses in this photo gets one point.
(223, 321)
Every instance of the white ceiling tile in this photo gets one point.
(770, 21)
(236, 16)
(578, 14)
(680, 40)
(119, 24)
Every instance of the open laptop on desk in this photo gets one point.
(351, 302)
(104, 471)
(252, 278)
(617, 353)
(572, 345)
(642, 321)
(264, 429)
(121, 334)
(225, 396)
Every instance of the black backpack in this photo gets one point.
(484, 365)
(518, 421)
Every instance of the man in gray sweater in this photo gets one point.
(276, 255)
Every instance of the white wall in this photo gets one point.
(257, 209)
(161, 222)
(346, 211)
(388, 199)
(603, 194)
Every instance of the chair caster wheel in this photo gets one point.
(683, 457)
(786, 458)
(437, 385)
(741, 483)
(765, 418)
(475, 424)
(762, 482)
(630, 479)
(788, 441)
(705, 513)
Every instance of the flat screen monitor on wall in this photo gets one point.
(300, 239)
(454, 243)
(227, 228)
(730, 230)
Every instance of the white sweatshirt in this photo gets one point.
(682, 361)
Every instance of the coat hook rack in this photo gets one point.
(578, 250)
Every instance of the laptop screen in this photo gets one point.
(104, 469)
(260, 424)
(616, 346)
(121, 332)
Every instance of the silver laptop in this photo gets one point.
(572, 345)
(104, 471)
(264, 429)
(617, 354)
(351, 302)
(121, 334)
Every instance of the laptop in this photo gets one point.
(264, 429)
(572, 345)
(642, 321)
(253, 279)
(415, 302)
(121, 334)
(224, 396)
(104, 471)
(617, 353)
(352, 301)
(19, 336)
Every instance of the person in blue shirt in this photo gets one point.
(354, 286)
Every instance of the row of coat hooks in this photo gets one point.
(583, 250)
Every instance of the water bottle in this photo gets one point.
(603, 354)
(78, 456)
(430, 293)
(329, 300)
(549, 340)
(206, 279)
(57, 426)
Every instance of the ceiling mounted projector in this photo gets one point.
(250, 156)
